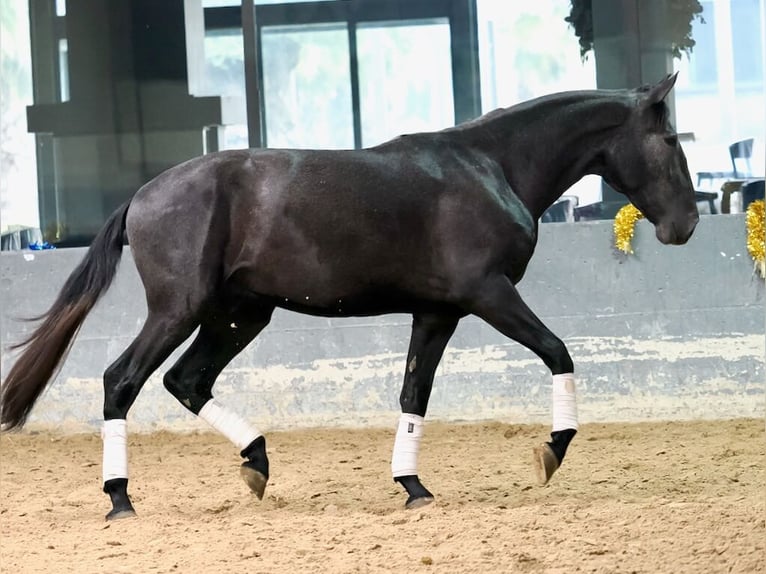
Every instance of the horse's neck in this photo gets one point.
(548, 145)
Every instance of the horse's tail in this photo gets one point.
(47, 346)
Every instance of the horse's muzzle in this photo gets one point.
(674, 232)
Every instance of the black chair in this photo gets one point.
(751, 191)
(740, 153)
(561, 211)
(20, 239)
(708, 197)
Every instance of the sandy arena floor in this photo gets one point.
(654, 498)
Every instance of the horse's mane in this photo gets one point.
(625, 99)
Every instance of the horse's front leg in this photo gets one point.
(430, 334)
(500, 304)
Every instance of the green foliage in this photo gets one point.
(679, 18)
(581, 19)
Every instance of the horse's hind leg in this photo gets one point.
(500, 304)
(430, 334)
(123, 380)
(191, 381)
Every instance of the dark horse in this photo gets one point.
(440, 225)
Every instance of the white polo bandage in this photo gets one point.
(115, 436)
(229, 424)
(564, 402)
(404, 461)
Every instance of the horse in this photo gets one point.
(438, 225)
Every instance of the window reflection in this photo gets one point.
(528, 50)
(306, 87)
(225, 76)
(405, 78)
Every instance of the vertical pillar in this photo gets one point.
(631, 48)
(42, 16)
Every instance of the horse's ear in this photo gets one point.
(659, 92)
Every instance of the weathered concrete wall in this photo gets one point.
(670, 333)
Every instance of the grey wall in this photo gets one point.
(669, 333)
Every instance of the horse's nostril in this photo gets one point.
(675, 235)
(683, 235)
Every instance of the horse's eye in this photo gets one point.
(671, 140)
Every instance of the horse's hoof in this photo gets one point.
(419, 495)
(254, 479)
(545, 463)
(115, 514)
(419, 502)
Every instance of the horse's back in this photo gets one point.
(412, 217)
(327, 225)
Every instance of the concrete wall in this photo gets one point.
(669, 333)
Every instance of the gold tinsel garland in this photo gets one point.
(754, 220)
(626, 218)
(624, 226)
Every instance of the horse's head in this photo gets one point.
(645, 162)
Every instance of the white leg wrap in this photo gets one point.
(115, 437)
(404, 461)
(564, 402)
(229, 424)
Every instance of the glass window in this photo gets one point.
(527, 50)
(224, 3)
(747, 42)
(307, 86)
(702, 68)
(723, 73)
(63, 70)
(225, 76)
(405, 78)
(18, 177)
(224, 70)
